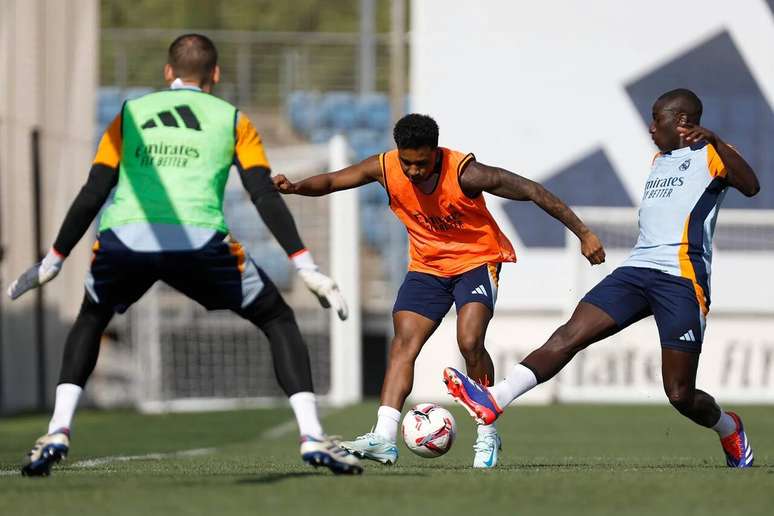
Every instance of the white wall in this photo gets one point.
(48, 65)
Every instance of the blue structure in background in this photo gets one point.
(590, 181)
(110, 100)
(734, 107)
(364, 120)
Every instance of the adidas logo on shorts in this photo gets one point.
(688, 336)
(479, 290)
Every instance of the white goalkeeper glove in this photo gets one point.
(40, 273)
(323, 287)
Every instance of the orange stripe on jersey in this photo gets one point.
(715, 165)
(94, 250)
(494, 274)
(249, 149)
(109, 149)
(449, 233)
(236, 249)
(687, 270)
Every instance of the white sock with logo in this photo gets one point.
(65, 403)
(520, 380)
(725, 425)
(387, 420)
(304, 406)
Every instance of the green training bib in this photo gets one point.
(177, 149)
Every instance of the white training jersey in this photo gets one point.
(678, 213)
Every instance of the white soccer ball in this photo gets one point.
(428, 430)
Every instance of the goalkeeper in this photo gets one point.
(168, 155)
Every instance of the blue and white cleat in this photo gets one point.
(372, 446)
(737, 448)
(48, 450)
(472, 395)
(487, 448)
(328, 452)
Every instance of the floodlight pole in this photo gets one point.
(367, 77)
(397, 59)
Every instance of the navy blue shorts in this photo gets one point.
(629, 294)
(220, 275)
(432, 296)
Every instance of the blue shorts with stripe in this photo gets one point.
(431, 296)
(220, 275)
(629, 294)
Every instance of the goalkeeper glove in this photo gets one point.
(40, 273)
(323, 287)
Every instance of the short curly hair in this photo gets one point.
(415, 131)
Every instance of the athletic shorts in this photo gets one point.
(432, 296)
(629, 294)
(220, 275)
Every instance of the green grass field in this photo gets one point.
(556, 460)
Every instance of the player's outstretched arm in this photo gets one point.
(367, 171)
(739, 173)
(477, 178)
(84, 208)
(277, 217)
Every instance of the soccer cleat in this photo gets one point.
(372, 446)
(738, 451)
(328, 452)
(473, 396)
(487, 448)
(48, 450)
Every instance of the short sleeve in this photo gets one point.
(249, 151)
(715, 165)
(109, 149)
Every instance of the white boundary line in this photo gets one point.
(274, 432)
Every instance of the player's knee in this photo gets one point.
(471, 347)
(680, 396)
(404, 349)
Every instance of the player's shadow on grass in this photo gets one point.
(606, 466)
(273, 478)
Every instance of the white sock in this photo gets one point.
(725, 425)
(486, 430)
(520, 380)
(387, 420)
(67, 396)
(304, 407)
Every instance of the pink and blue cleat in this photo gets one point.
(738, 451)
(476, 398)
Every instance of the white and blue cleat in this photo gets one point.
(327, 452)
(374, 447)
(48, 450)
(487, 450)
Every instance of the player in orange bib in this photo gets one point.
(456, 251)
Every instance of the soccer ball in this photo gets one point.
(428, 430)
